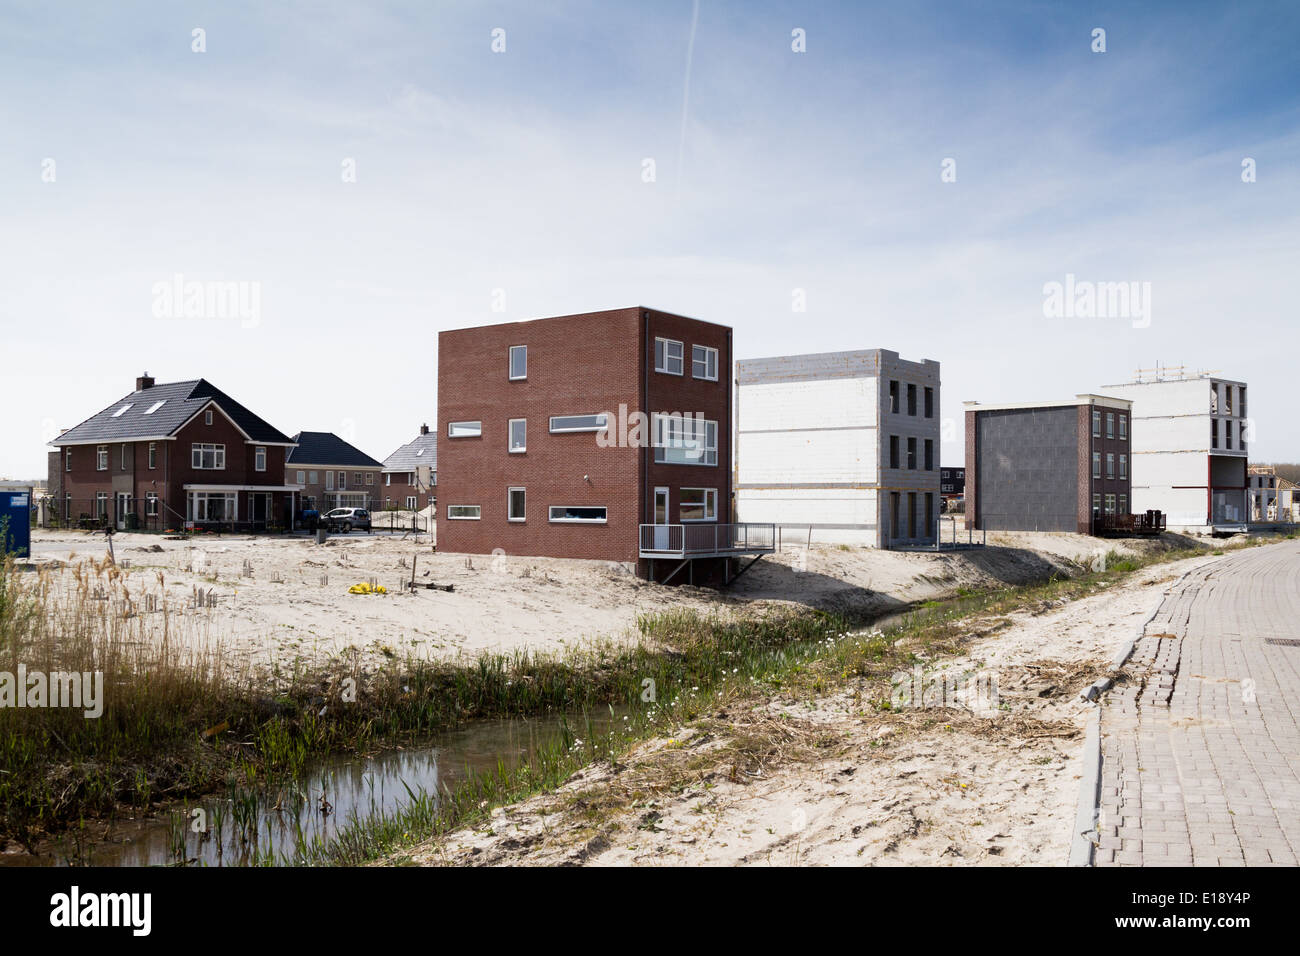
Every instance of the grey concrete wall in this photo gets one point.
(1028, 462)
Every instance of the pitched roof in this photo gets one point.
(326, 448)
(159, 411)
(421, 452)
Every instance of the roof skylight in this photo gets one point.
(118, 413)
(154, 407)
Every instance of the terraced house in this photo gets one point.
(331, 472)
(605, 435)
(183, 454)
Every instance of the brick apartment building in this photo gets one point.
(172, 455)
(546, 432)
(1050, 466)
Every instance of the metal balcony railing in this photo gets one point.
(706, 540)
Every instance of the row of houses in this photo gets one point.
(186, 455)
(632, 435)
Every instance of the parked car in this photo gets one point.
(346, 519)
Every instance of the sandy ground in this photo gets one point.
(292, 601)
(946, 786)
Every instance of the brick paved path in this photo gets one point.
(1201, 749)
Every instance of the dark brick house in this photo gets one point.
(1051, 466)
(410, 474)
(171, 456)
(332, 473)
(564, 436)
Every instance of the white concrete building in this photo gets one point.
(839, 447)
(1190, 435)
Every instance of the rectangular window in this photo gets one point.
(101, 504)
(1241, 401)
(122, 410)
(699, 504)
(911, 401)
(101, 458)
(1123, 504)
(566, 514)
(207, 457)
(155, 406)
(518, 435)
(1214, 433)
(518, 362)
(153, 454)
(1110, 424)
(1096, 504)
(207, 417)
(312, 477)
(67, 459)
(410, 505)
(302, 478)
(929, 402)
(929, 455)
(464, 429)
(893, 451)
(1227, 399)
(388, 479)
(213, 506)
(911, 454)
(668, 356)
(259, 459)
(342, 481)
(151, 504)
(1110, 504)
(1096, 464)
(704, 362)
(1123, 466)
(456, 512)
(1227, 434)
(1110, 465)
(1123, 426)
(370, 478)
(358, 478)
(516, 504)
(125, 450)
(329, 481)
(578, 423)
(685, 440)
(893, 396)
(1096, 423)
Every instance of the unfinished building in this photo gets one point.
(840, 447)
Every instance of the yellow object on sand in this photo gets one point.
(365, 588)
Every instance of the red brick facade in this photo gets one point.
(577, 365)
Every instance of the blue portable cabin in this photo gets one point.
(16, 524)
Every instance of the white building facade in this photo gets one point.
(839, 447)
(1190, 446)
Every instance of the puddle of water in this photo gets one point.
(362, 785)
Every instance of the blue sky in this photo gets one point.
(522, 172)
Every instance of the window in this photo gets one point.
(67, 459)
(153, 454)
(668, 356)
(151, 504)
(259, 459)
(704, 362)
(893, 451)
(329, 481)
(911, 400)
(410, 506)
(929, 454)
(1110, 504)
(929, 402)
(456, 512)
(1214, 399)
(699, 504)
(561, 514)
(893, 396)
(67, 507)
(1096, 464)
(120, 411)
(1110, 465)
(1123, 504)
(101, 504)
(101, 458)
(388, 479)
(1123, 466)
(343, 481)
(685, 440)
(1123, 426)
(929, 511)
(1096, 504)
(518, 435)
(125, 452)
(302, 478)
(155, 406)
(518, 362)
(207, 417)
(1096, 423)
(358, 479)
(1110, 424)
(1241, 401)
(464, 429)
(312, 477)
(578, 423)
(516, 504)
(911, 454)
(370, 478)
(207, 457)
(1214, 433)
(1227, 399)
(1227, 434)
(213, 506)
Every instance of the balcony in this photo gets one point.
(706, 540)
